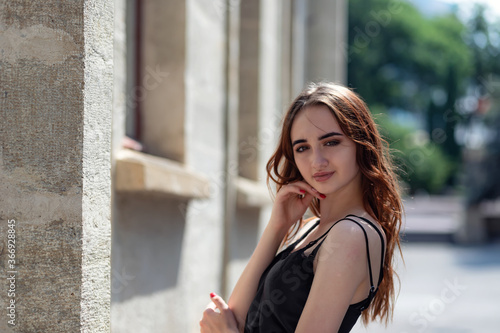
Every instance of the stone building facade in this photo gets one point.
(213, 80)
(116, 239)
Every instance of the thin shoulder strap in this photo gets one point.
(381, 273)
(305, 234)
(367, 251)
(322, 238)
(373, 288)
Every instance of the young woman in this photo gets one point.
(335, 267)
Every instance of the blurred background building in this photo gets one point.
(207, 121)
(160, 115)
(202, 85)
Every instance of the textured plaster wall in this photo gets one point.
(201, 264)
(250, 222)
(123, 98)
(166, 255)
(164, 55)
(148, 229)
(148, 240)
(325, 36)
(55, 103)
(96, 211)
(249, 75)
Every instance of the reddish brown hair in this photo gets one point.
(379, 182)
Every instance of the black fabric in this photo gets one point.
(285, 284)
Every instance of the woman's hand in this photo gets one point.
(291, 203)
(220, 322)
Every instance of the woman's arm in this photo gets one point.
(341, 275)
(246, 287)
(288, 208)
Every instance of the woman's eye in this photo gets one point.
(300, 149)
(332, 143)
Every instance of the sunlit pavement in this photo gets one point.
(445, 288)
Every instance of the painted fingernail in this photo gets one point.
(302, 191)
(322, 196)
(212, 295)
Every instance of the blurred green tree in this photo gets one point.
(483, 39)
(421, 164)
(403, 60)
(397, 57)
(482, 178)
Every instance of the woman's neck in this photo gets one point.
(348, 200)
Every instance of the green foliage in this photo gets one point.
(483, 42)
(397, 56)
(421, 163)
(400, 59)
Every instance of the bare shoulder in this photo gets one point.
(345, 238)
(372, 227)
(342, 257)
(349, 236)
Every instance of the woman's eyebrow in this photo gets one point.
(324, 136)
(298, 141)
(327, 135)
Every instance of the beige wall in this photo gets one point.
(213, 120)
(187, 211)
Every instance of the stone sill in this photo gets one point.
(138, 172)
(251, 194)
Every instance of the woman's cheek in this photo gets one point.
(301, 166)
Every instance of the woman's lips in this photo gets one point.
(322, 176)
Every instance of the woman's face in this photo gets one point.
(325, 157)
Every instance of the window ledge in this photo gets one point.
(138, 172)
(251, 194)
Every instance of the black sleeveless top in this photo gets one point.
(285, 284)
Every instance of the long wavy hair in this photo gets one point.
(379, 181)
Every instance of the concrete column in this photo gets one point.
(205, 78)
(122, 94)
(249, 79)
(56, 88)
(269, 111)
(327, 29)
(285, 51)
(298, 46)
(260, 112)
(259, 85)
(231, 136)
(161, 85)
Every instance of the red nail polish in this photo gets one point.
(212, 295)
(322, 196)
(302, 191)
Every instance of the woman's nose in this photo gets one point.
(319, 161)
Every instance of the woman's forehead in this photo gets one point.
(313, 120)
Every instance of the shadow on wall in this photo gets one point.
(245, 233)
(146, 246)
